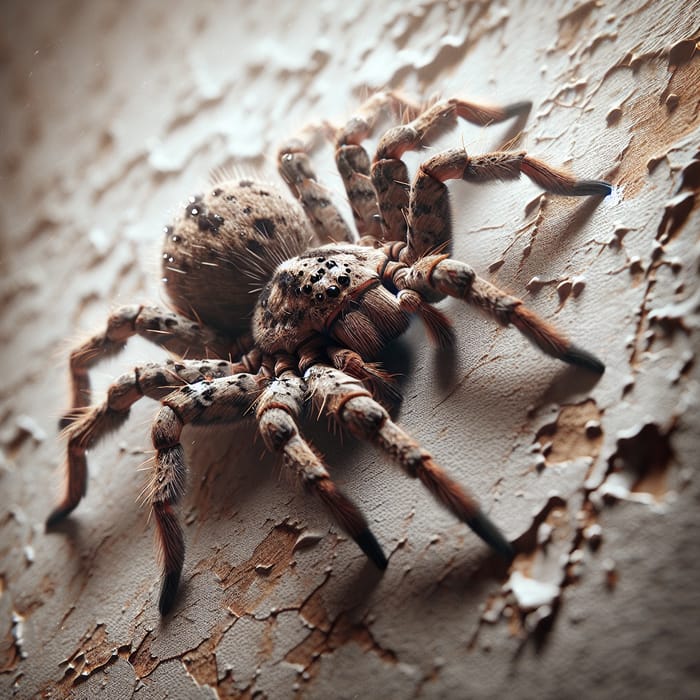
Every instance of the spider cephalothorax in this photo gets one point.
(333, 293)
(329, 300)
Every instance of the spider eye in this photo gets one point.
(306, 289)
(333, 291)
(344, 280)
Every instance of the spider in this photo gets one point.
(330, 298)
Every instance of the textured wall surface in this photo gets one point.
(116, 112)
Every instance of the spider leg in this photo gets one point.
(389, 173)
(353, 162)
(379, 381)
(170, 330)
(154, 380)
(220, 400)
(295, 167)
(280, 404)
(429, 219)
(457, 279)
(352, 406)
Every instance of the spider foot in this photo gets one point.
(347, 515)
(584, 188)
(58, 514)
(172, 550)
(367, 542)
(575, 355)
(484, 528)
(168, 592)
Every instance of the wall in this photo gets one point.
(115, 113)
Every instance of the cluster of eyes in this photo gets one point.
(332, 290)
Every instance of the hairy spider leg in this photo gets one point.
(174, 332)
(371, 374)
(154, 380)
(221, 400)
(280, 405)
(389, 173)
(352, 159)
(457, 279)
(429, 215)
(352, 406)
(294, 165)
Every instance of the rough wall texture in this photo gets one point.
(114, 113)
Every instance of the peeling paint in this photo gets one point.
(247, 586)
(594, 482)
(575, 432)
(638, 468)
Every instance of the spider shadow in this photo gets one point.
(568, 383)
(432, 584)
(229, 464)
(574, 222)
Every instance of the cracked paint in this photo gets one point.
(575, 432)
(595, 482)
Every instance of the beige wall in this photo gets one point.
(114, 113)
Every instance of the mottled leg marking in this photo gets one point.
(389, 174)
(154, 380)
(220, 400)
(429, 218)
(353, 162)
(457, 279)
(352, 407)
(278, 410)
(170, 330)
(294, 165)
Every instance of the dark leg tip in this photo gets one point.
(65, 421)
(369, 545)
(493, 537)
(57, 515)
(168, 592)
(582, 358)
(585, 188)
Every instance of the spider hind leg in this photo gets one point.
(88, 426)
(170, 330)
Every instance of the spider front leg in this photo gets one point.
(154, 380)
(220, 400)
(165, 328)
(353, 162)
(278, 409)
(294, 165)
(352, 406)
(457, 279)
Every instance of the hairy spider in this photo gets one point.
(329, 300)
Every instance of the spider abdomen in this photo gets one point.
(226, 244)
